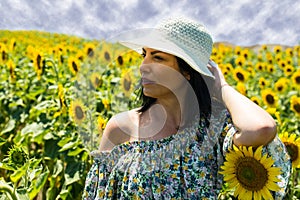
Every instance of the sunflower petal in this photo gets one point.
(229, 177)
(257, 154)
(248, 195)
(266, 194)
(256, 195)
(250, 150)
(233, 183)
(238, 191)
(272, 186)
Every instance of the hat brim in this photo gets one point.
(155, 39)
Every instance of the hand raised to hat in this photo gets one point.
(219, 79)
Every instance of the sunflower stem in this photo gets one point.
(54, 67)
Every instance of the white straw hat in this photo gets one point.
(181, 37)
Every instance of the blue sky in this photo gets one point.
(246, 22)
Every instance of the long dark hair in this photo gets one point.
(199, 84)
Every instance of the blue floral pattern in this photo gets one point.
(181, 166)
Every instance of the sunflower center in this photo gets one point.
(90, 52)
(97, 81)
(107, 56)
(270, 99)
(4, 55)
(38, 61)
(127, 84)
(279, 88)
(297, 107)
(240, 76)
(74, 66)
(251, 174)
(292, 150)
(79, 113)
(120, 60)
(297, 79)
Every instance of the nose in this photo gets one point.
(144, 65)
(144, 68)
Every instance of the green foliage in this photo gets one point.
(56, 94)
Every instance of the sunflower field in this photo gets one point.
(58, 91)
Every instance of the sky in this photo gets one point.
(240, 22)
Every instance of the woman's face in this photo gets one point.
(160, 73)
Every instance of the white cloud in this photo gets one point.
(241, 22)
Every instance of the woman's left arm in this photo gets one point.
(255, 126)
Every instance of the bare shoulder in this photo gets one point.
(119, 129)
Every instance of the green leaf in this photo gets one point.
(68, 146)
(39, 183)
(9, 126)
(75, 152)
(72, 173)
(64, 141)
(58, 168)
(2, 141)
(19, 173)
(44, 105)
(32, 128)
(72, 179)
(5, 166)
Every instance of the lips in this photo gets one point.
(146, 81)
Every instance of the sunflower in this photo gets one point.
(269, 97)
(256, 100)
(239, 74)
(269, 57)
(277, 49)
(89, 50)
(96, 80)
(239, 61)
(289, 51)
(77, 111)
(127, 82)
(289, 61)
(260, 66)
(38, 64)
(263, 82)
(270, 68)
(105, 52)
(281, 85)
(295, 104)
(245, 53)
(106, 104)
(3, 54)
(288, 70)
(74, 65)
(237, 50)
(282, 64)
(296, 78)
(101, 123)
(241, 88)
(292, 144)
(250, 173)
(17, 156)
(264, 47)
(11, 66)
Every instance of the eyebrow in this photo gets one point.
(153, 52)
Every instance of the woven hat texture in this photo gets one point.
(181, 37)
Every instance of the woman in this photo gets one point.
(173, 145)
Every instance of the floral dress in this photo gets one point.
(181, 166)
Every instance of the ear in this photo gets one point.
(186, 75)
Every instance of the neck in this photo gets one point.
(171, 108)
